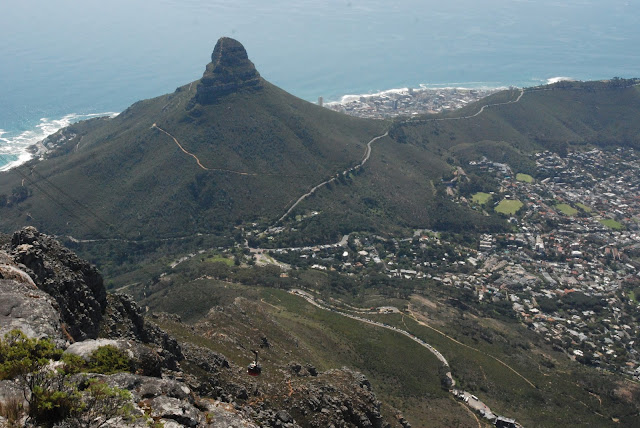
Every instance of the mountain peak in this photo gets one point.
(229, 71)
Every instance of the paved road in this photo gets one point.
(471, 400)
(311, 299)
(417, 121)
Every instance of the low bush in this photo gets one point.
(108, 360)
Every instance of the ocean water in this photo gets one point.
(66, 60)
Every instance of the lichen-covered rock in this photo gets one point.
(340, 398)
(230, 70)
(87, 347)
(26, 308)
(11, 391)
(224, 415)
(170, 402)
(10, 270)
(75, 284)
(206, 359)
(142, 387)
(175, 409)
(13, 403)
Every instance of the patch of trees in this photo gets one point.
(581, 302)
(18, 194)
(576, 300)
(502, 310)
(446, 215)
(478, 183)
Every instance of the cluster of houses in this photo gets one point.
(568, 269)
(423, 256)
(571, 268)
(408, 102)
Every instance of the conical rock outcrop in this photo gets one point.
(230, 70)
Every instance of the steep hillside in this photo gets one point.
(401, 185)
(226, 149)
(547, 117)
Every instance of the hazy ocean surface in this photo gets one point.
(62, 61)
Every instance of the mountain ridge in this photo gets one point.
(174, 168)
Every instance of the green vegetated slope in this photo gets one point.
(404, 375)
(552, 117)
(124, 178)
(396, 190)
(509, 367)
(401, 178)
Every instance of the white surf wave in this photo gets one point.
(553, 80)
(15, 146)
(345, 99)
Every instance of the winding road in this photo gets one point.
(367, 155)
(412, 315)
(365, 159)
(418, 121)
(469, 399)
(368, 150)
(196, 157)
(311, 299)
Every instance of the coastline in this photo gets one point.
(25, 145)
(409, 101)
(426, 98)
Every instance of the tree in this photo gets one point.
(19, 194)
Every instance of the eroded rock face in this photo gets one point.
(174, 404)
(53, 293)
(29, 310)
(10, 270)
(75, 284)
(123, 319)
(230, 70)
(25, 307)
(182, 412)
(341, 398)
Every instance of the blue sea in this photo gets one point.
(65, 60)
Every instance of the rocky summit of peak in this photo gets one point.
(229, 71)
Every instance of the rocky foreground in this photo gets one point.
(49, 293)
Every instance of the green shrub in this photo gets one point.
(108, 360)
(102, 403)
(51, 397)
(20, 355)
(54, 401)
(72, 363)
